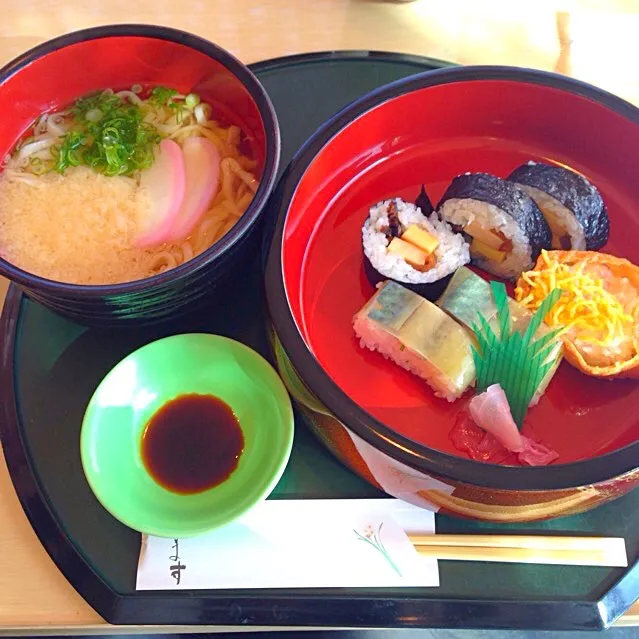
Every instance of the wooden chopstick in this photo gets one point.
(519, 541)
(576, 551)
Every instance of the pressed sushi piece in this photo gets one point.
(598, 311)
(402, 244)
(418, 336)
(468, 296)
(506, 227)
(572, 206)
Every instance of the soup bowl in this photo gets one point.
(380, 420)
(54, 74)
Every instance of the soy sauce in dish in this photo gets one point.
(192, 443)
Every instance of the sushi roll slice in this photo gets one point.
(507, 228)
(468, 295)
(418, 336)
(572, 206)
(419, 252)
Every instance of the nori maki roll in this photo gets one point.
(423, 202)
(507, 228)
(572, 206)
(417, 251)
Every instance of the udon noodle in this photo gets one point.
(77, 224)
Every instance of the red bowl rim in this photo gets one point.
(250, 216)
(356, 419)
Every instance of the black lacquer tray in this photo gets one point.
(50, 368)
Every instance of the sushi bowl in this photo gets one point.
(432, 133)
(141, 60)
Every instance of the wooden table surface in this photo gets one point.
(593, 40)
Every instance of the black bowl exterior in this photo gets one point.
(195, 284)
(177, 298)
(620, 465)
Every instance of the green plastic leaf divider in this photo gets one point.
(516, 362)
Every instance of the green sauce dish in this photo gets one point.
(186, 434)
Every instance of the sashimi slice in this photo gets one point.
(536, 454)
(165, 183)
(491, 411)
(467, 437)
(202, 162)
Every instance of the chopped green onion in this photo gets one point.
(162, 96)
(37, 166)
(94, 115)
(68, 151)
(111, 134)
(108, 135)
(192, 100)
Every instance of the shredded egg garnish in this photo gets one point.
(593, 313)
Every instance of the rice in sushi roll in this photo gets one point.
(419, 252)
(507, 228)
(572, 206)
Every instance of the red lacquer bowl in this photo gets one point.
(382, 421)
(58, 72)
